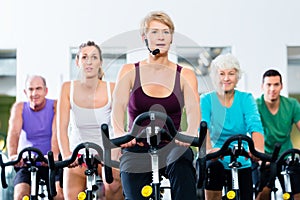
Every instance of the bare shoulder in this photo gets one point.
(17, 106)
(66, 84)
(188, 74)
(65, 88)
(128, 67)
(127, 71)
(16, 110)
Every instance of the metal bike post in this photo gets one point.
(235, 182)
(33, 170)
(155, 171)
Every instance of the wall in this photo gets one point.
(43, 31)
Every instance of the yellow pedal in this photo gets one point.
(146, 191)
(81, 196)
(230, 194)
(25, 198)
(286, 196)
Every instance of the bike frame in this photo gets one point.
(34, 156)
(153, 134)
(91, 161)
(234, 153)
(288, 158)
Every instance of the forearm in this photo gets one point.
(118, 119)
(63, 143)
(259, 141)
(55, 147)
(12, 148)
(193, 116)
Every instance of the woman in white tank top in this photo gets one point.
(83, 106)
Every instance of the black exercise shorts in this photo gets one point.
(23, 175)
(217, 177)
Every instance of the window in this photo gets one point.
(8, 66)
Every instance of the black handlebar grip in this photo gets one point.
(51, 165)
(107, 154)
(3, 178)
(203, 132)
(276, 152)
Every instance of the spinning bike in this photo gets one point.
(92, 161)
(234, 151)
(153, 134)
(287, 163)
(31, 161)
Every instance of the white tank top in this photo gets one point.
(85, 123)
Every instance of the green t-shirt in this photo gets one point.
(278, 127)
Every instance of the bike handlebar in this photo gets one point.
(153, 115)
(39, 157)
(172, 133)
(282, 158)
(224, 151)
(61, 164)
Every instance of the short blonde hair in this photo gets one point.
(158, 16)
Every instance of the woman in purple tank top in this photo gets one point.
(157, 84)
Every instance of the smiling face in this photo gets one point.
(159, 36)
(89, 61)
(225, 73)
(36, 92)
(228, 79)
(271, 86)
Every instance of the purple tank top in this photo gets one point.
(140, 102)
(37, 127)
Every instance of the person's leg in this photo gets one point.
(245, 183)
(295, 181)
(264, 184)
(133, 183)
(21, 184)
(182, 175)
(21, 190)
(297, 196)
(215, 176)
(74, 182)
(114, 190)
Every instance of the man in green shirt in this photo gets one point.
(278, 114)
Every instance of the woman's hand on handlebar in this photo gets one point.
(74, 164)
(67, 157)
(255, 159)
(213, 150)
(132, 143)
(184, 144)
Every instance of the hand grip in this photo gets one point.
(107, 154)
(51, 164)
(3, 178)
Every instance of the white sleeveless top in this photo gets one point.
(85, 123)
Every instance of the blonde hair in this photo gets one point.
(158, 16)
